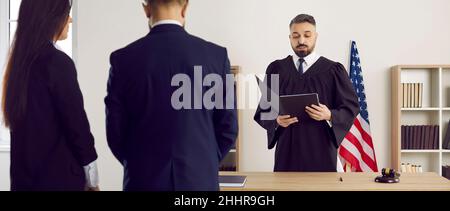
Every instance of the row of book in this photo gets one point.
(227, 168)
(412, 95)
(410, 168)
(420, 137)
(446, 171)
(446, 142)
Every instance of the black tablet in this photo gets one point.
(295, 105)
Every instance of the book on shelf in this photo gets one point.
(415, 96)
(409, 95)
(227, 168)
(428, 133)
(446, 143)
(415, 138)
(431, 137)
(446, 171)
(412, 95)
(420, 95)
(407, 137)
(436, 137)
(420, 137)
(405, 95)
(403, 138)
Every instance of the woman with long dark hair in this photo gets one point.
(52, 148)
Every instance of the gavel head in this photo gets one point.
(387, 172)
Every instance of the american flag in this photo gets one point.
(357, 148)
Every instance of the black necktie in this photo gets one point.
(300, 66)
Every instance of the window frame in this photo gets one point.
(4, 48)
(4, 32)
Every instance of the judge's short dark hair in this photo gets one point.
(165, 2)
(303, 18)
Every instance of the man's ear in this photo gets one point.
(184, 10)
(147, 10)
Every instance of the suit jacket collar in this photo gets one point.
(167, 28)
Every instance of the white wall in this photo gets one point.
(4, 170)
(102, 27)
(256, 32)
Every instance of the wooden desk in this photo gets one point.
(331, 182)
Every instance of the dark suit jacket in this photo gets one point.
(52, 144)
(161, 148)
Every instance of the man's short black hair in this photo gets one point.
(303, 18)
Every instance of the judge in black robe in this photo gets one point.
(310, 145)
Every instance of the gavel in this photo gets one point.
(388, 176)
(392, 173)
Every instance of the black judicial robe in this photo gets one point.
(310, 145)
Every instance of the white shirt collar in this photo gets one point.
(309, 60)
(56, 46)
(161, 22)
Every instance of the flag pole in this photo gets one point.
(348, 166)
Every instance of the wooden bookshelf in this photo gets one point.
(231, 162)
(435, 111)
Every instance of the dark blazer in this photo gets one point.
(53, 142)
(161, 148)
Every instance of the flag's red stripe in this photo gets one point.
(366, 159)
(368, 139)
(349, 157)
(356, 142)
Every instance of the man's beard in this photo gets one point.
(303, 53)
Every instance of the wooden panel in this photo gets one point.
(397, 97)
(433, 66)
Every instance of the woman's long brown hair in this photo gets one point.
(39, 22)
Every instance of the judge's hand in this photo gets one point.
(319, 113)
(89, 189)
(286, 121)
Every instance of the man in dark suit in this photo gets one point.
(163, 147)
